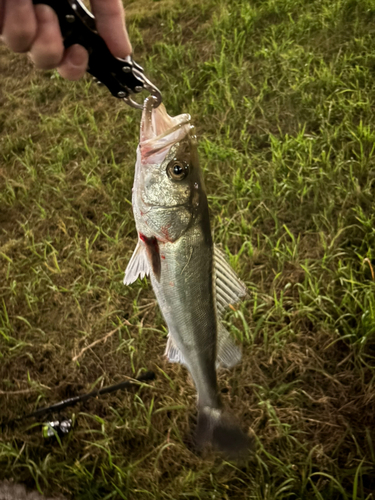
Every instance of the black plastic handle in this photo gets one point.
(78, 26)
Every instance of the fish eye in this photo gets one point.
(177, 170)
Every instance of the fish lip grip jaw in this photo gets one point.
(123, 77)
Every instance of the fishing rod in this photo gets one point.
(66, 403)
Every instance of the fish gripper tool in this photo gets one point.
(123, 77)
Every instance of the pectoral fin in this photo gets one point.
(146, 258)
(138, 266)
(153, 253)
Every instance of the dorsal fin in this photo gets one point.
(229, 288)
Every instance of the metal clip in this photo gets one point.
(147, 85)
(123, 77)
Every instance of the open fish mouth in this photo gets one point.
(159, 131)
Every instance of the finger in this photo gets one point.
(48, 49)
(110, 22)
(74, 64)
(19, 24)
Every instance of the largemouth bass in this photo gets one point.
(191, 279)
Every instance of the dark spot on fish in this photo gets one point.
(153, 253)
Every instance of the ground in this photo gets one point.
(282, 96)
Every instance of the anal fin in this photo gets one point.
(173, 353)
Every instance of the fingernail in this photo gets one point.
(78, 55)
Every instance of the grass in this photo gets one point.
(281, 93)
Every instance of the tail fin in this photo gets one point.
(218, 429)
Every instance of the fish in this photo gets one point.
(190, 276)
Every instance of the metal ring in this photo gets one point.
(132, 103)
(153, 91)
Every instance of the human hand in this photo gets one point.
(35, 29)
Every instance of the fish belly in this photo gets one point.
(186, 299)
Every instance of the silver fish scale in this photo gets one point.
(186, 300)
